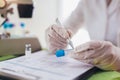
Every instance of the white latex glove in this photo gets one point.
(102, 54)
(57, 38)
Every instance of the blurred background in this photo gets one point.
(44, 14)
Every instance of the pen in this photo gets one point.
(69, 41)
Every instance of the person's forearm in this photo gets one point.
(75, 20)
(73, 24)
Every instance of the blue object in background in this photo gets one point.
(5, 26)
(60, 53)
(11, 25)
(8, 25)
(22, 25)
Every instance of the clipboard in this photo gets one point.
(84, 76)
(43, 65)
(88, 74)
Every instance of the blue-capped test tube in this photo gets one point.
(61, 52)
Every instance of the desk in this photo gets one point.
(43, 66)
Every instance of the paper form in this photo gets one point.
(47, 67)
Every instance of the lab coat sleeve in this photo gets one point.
(75, 20)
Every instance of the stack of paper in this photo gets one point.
(42, 66)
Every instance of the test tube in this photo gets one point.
(61, 52)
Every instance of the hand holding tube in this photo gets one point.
(56, 37)
(102, 54)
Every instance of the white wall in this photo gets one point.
(45, 13)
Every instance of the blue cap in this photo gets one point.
(60, 53)
(22, 25)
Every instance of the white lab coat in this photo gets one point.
(102, 21)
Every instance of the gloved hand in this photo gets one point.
(56, 37)
(102, 54)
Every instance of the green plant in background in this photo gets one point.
(109, 75)
(2, 58)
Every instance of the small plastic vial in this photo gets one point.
(28, 50)
(61, 52)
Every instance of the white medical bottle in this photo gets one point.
(28, 50)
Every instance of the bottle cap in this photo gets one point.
(28, 45)
(60, 53)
